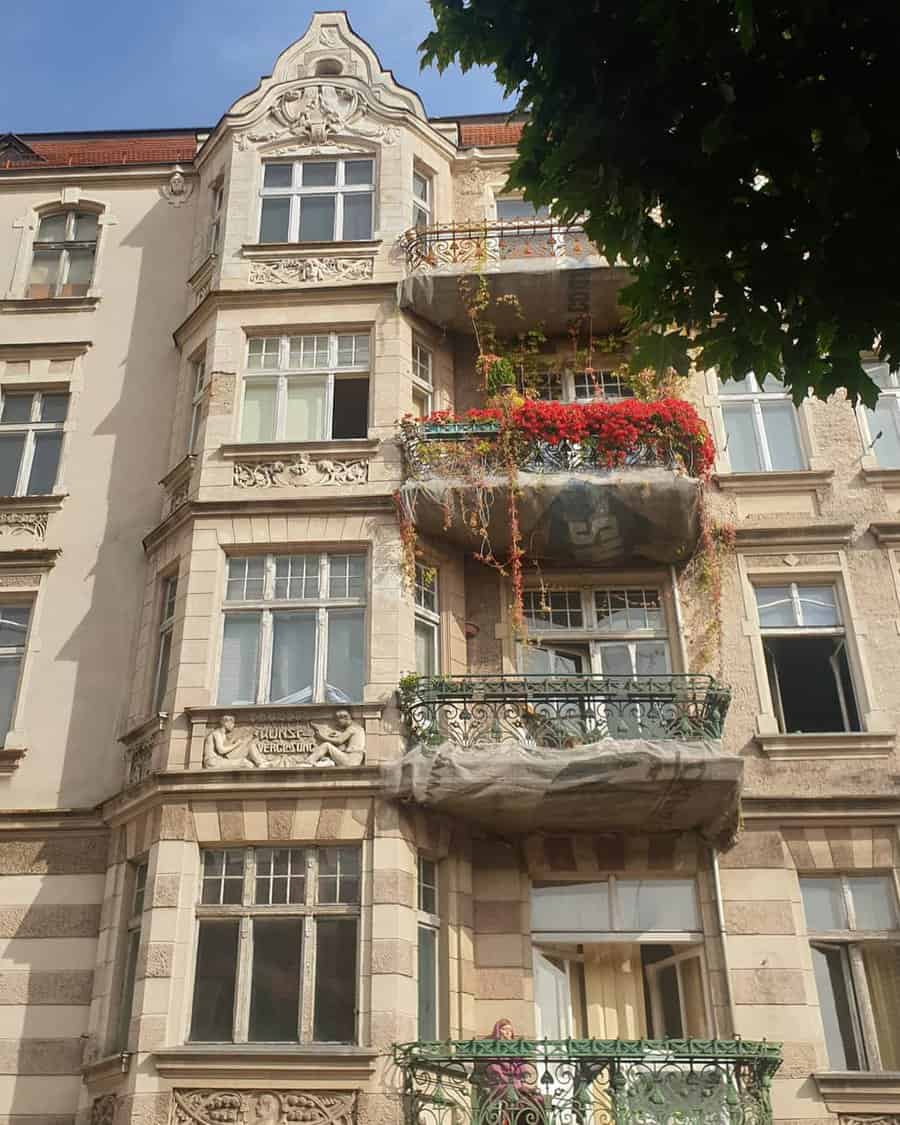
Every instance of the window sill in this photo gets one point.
(263, 249)
(851, 744)
(357, 447)
(889, 478)
(48, 304)
(805, 479)
(860, 1091)
(341, 1067)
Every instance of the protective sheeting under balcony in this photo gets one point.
(555, 273)
(516, 754)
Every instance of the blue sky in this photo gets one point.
(121, 64)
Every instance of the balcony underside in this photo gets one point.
(552, 292)
(602, 518)
(667, 785)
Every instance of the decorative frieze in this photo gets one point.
(24, 523)
(140, 745)
(316, 113)
(303, 470)
(271, 742)
(263, 1107)
(311, 271)
(870, 1119)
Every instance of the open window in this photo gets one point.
(808, 668)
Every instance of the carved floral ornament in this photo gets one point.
(307, 271)
(314, 114)
(262, 1107)
(301, 471)
(24, 523)
(273, 743)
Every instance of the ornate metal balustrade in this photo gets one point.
(588, 1082)
(450, 244)
(562, 711)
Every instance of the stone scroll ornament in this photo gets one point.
(262, 1107)
(301, 471)
(314, 114)
(311, 271)
(275, 743)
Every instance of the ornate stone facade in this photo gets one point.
(272, 743)
(310, 271)
(303, 470)
(263, 1107)
(24, 523)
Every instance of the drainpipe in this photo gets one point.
(679, 621)
(723, 934)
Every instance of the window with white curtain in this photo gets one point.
(294, 629)
(317, 200)
(306, 388)
(761, 426)
(883, 422)
(428, 621)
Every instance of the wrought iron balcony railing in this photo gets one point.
(588, 1082)
(450, 244)
(562, 711)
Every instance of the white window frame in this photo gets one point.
(430, 921)
(605, 385)
(422, 203)
(133, 927)
(217, 193)
(328, 374)
(890, 395)
(616, 931)
(652, 972)
(849, 941)
(320, 606)
(426, 582)
(20, 653)
(309, 911)
(754, 397)
(169, 595)
(199, 382)
(339, 190)
(422, 378)
(517, 197)
(31, 428)
(63, 247)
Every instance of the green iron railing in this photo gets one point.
(588, 1082)
(562, 710)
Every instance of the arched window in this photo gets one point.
(62, 263)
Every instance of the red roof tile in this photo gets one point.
(71, 151)
(486, 134)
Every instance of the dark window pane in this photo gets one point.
(10, 667)
(13, 625)
(358, 172)
(16, 409)
(836, 1004)
(278, 175)
(317, 218)
(85, 227)
(276, 217)
(319, 174)
(52, 228)
(54, 408)
(346, 648)
(45, 463)
(11, 446)
(357, 217)
(810, 677)
(127, 998)
(335, 1005)
(351, 408)
(275, 991)
(213, 1010)
(427, 983)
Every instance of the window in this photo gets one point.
(582, 386)
(884, 421)
(31, 436)
(510, 208)
(306, 388)
(423, 386)
(198, 382)
(294, 630)
(428, 938)
(215, 222)
(616, 905)
(854, 931)
(167, 621)
(428, 621)
(62, 263)
(277, 946)
(132, 947)
(317, 201)
(760, 426)
(805, 648)
(421, 200)
(14, 621)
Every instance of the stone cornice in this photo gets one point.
(834, 810)
(40, 822)
(340, 447)
(87, 173)
(342, 1068)
(48, 304)
(805, 480)
(851, 744)
(860, 1091)
(64, 349)
(889, 478)
(887, 533)
(822, 535)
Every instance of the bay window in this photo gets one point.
(294, 629)
(306, 388)
(317, 200)
(761, 426)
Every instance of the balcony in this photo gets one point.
(571, 753)
(588, 1082)
(600, 484)
(557, 275)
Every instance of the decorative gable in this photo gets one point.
(14, 151)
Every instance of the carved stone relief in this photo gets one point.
(314, 114)
(24, 523)
(870, 1119)
(177, 190)
(304, 271)
(139, 759)
(273, 743)
(262, 1107)
(28, 580)
(103, 1110)
(301, 471)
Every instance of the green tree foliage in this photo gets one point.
(743, 156)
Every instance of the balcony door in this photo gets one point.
(552, 998)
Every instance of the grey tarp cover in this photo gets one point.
(616, 784)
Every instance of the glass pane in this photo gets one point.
(823, 904)
(520, 209)
(213, 1010)
(575, 907)
(258, 419)
(162, 679)
(10, 667)
(873, 902)
(690, 979)
(13, 625)
(615, 660)
(278, 175)
(52, 228)
(658, 904)
(771, 384)
(776, 606)
(357, 217)
(420, 187)
(428, 885)
(16, 408)
(351, 408)
(240, 659)
(45, 463)
(780, 424)
(85, 227)
(835, 1004)
(127, 998)
(11, 447)
(338, 875)
(44, 273)
(427, 984)
(884, 432)
(275, 990)
(293, 657)
(275, 221)
(652, 658)
(319, 174)
(426, 636)
(743, 453)
(335, 1003)
(305, 410)
(81, 270)
(317, 218)
(54, 407)
(346, 647)
(359, 172)
(670, 1008)
(883, 976)
(818, 606)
